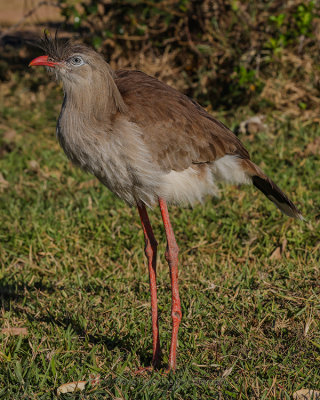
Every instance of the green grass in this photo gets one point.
(73, 273)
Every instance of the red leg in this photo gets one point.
(172, 258)
(151, 253)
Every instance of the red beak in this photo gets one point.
(43, 60)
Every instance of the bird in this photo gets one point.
(149, 144)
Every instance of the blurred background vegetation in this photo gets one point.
(227, 53)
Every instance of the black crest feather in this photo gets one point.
(56, 48)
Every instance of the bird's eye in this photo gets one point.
(76, 61)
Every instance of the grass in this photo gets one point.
(73, 272)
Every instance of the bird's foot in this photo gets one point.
(155, 366)
(168, 371)
(150, 369)
(144, 371)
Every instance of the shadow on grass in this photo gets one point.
(13, 295)
(17, 291)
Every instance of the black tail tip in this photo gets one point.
(276, 195)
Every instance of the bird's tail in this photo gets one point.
(271, 190)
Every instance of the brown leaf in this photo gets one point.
(78, 385)
(14, 331)
(276, 255)
(306, 394)
(227, 372)
(71, 387)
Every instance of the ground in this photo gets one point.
(73, 272)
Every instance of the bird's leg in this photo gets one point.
(172, 258)
(151, 253)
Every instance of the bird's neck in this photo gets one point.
(97, 98)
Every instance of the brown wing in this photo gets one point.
(177, 130)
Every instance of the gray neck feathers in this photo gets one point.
(90, 105)
(96, 98)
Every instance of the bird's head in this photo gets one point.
(71, 62)
(87, 78)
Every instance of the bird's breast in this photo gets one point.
(115, 153)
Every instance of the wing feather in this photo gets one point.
(177, 130)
